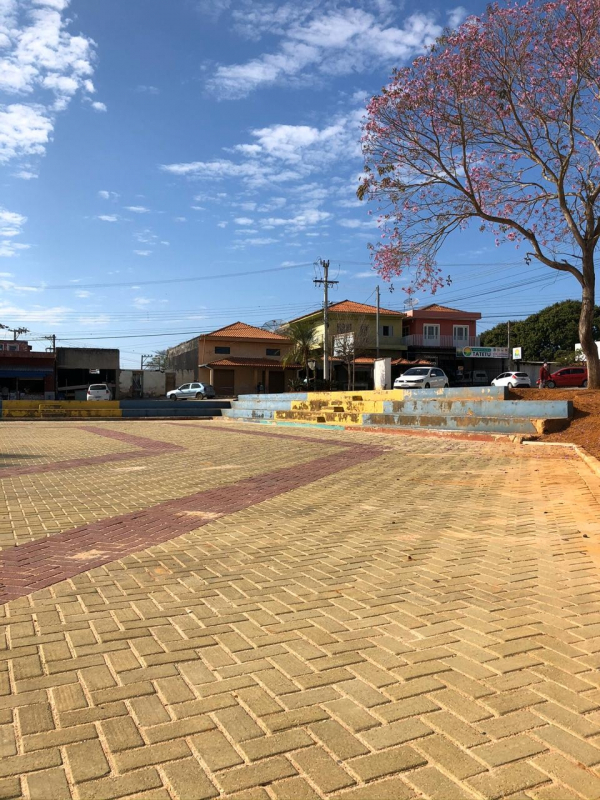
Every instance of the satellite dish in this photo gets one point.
(273, 325)
(411, 302)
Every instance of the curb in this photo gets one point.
(513, 438)
(588, 459)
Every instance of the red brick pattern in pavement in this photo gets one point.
(148, 447)
(39, 564)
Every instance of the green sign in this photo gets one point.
(482, 352)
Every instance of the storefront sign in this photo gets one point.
(482, 352)
(517, 353)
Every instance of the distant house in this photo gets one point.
(359, 319)
(433, 328)
(236, 359)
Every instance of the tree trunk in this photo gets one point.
(586, 335)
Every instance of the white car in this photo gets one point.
(422, 378)
(98, 391)
(514, 380)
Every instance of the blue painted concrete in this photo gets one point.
(540, 409)
(249, 413)
(260, 398)
(150, 404)
(484, 393)
(452, 423)
(139, 413)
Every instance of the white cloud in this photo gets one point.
(95, 321)
(143, 252)
(83, 293)
(99, 107)
(322, 39)
(25, 175)
(11, 226)
(306, 219)
(456, 16)
(147, 89)
(42, 60)
(146, 236)
(244, 221)
(24, 130)
(108, 217)
(282, 154)
(141, 302)
(367, 274)
(357, 223)
(254, 242)
(11, 222)
(106, 195)
(138, 209)
(180, 219)
(222, 224)
(50, 316)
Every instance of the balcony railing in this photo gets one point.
(418, 340)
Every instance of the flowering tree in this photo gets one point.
(499, 123)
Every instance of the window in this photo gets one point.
(195, 386)
(12, 347)
(431, 333)
(223, 351)
(437, 373)
(577, 371)
(461, 333)
(387, 330)
(364, 331)
(184, 387)
(273, 351)
(344, 327)
(1, 347)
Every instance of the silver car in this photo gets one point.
(191, 391)
(422, 378)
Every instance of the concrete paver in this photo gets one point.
(196, 610)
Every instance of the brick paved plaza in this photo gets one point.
(195, 610)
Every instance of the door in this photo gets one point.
(437, 377)
(194, 389)
(276, 381)
(431, 335)
(184, 391)
(224, 382)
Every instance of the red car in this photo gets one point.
(568, 376)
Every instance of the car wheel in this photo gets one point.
(509, 385)
(550, 385)
(584, 385)
(446, 386)
(428, 386)
(199, 396)
(173, 397)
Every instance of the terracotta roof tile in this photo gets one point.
(262, 363)
(437, 307)
(240, 330)
(351, 307)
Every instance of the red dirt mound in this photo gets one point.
(585, 426)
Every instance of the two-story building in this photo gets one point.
(236, 359)
(24, 372)
(436, 333)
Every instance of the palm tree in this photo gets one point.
(302, 336)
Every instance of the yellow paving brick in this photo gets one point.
(188, 781)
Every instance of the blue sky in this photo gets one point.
(151, 149)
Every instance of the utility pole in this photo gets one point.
(326, 283)
(377, 323)
(509, 353)
(142, 371)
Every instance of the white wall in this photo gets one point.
(154, 383)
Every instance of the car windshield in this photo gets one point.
(417, 371)
(98, 387)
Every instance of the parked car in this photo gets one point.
(516, 380)
(422, 378)
(568, 376)
(189, 391)
(98, 391)
(480, 378)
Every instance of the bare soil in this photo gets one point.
(584, 429)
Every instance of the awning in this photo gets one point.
(26, 374)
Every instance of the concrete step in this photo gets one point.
(247, 413)
(490, 408)
(171, 404)
(338, 418)
(182, 411)
(485, 424)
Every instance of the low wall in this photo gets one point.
(110, 409)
